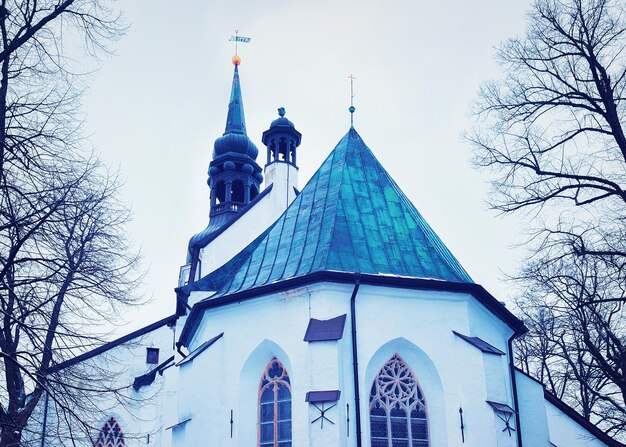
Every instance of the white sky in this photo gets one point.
(155, 108)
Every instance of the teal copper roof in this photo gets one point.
(351, 217)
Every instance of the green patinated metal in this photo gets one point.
(351, 217)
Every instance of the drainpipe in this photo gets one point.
(355, 362)
(516, 334)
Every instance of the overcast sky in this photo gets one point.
(156, 106)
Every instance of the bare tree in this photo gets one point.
(65, 265)
(551, 133)
(573, 306)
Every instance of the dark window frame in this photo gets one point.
(150, 356)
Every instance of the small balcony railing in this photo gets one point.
(222, 207)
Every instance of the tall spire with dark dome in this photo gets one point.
(235, 121)
(234, 175)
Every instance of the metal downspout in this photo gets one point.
(514, 386)
(355, 362)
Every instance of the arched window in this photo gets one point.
(237, 191)
(397, 407)
(220, 192)
(111, 435)
(275, 406)
(282, 149)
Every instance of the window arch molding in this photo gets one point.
(427, 377)
(249, 379)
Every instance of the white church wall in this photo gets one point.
(426, 319)
(532, 410)
(284, 177)
(254, 332)
(564, 431)
(169, 408)
(204, 398)
(417, 325)
(243, 231)
(139, 413)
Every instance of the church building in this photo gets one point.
(326, 315)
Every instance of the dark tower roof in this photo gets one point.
(235, 139)
(234, 175)
(350, 217)
(282, 140)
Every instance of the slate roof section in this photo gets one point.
(480, 344)
(199, 350)
(178, 424)
(325, 330)
(503, 408)
(350, 217)
(149, 377)
(322, 396)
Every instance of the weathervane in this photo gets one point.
(237, 38)
(351, 109)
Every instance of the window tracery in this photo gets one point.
(111, 435)
(398, 416)
(275, 406)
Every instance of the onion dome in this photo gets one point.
(281, 120)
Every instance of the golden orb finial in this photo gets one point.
(236, 60)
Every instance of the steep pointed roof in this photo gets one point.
(350, 217)
(235, 121)
(235, 139)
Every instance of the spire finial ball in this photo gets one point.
(281, 111)
(236, 60)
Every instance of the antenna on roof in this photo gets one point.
(351, 109)
(237, 38)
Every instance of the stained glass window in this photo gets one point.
(111, 435)
(397, 408)
(275, 406)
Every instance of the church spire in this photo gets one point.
(235, 121)
(234, 175)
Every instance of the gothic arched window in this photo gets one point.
(275, 406)
(111, 435)
(397, 407)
